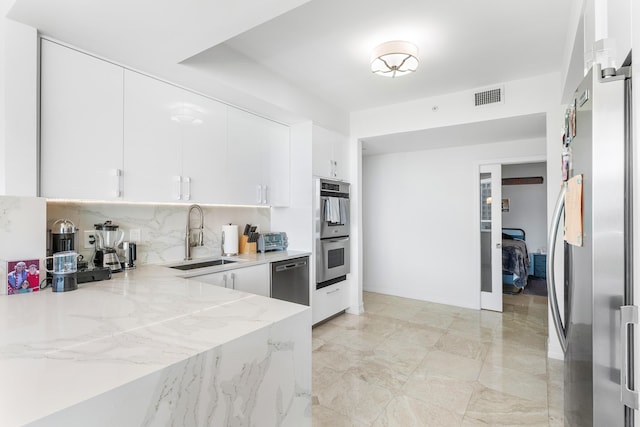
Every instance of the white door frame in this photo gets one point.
(476, 212)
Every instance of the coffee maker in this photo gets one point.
(62, 236)
(108, 237)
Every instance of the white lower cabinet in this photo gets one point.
(218, 279)
(254, 280)
(329, 301)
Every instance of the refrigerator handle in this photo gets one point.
(553, 298)
(628, 316)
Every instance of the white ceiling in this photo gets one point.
(318, 48)
(324, 46)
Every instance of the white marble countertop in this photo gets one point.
(58, 349)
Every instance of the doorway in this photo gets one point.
(512, 196)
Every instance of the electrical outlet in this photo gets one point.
(89, 239)
(134, 235)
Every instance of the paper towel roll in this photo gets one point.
(229, 240)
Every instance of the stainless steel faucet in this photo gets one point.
(188, 242)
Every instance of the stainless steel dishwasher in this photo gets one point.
(290, 280)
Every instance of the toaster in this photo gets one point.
(274, 241)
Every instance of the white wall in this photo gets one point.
(5, 5)
(528, 204)
(22, 231)
(535, 95)
(418, 221)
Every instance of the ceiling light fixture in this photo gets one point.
(395, 58)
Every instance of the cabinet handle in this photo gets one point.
(265, 193)
(233, 280)
(224, 279)
(259, 194)
(333, 291)
(177, 187)
(334, 168)
(117, 173)
(187, 193)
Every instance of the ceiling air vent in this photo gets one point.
(489, 96)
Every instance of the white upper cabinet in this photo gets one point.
(204, 146)
(330, 154)
(258, 160)
(174, 143)
(81, 125)
(111, 133)
(152, 140)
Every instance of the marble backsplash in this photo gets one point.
(162, 227)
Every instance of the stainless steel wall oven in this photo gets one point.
(332, 232)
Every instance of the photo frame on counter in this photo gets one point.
(505, 205)
(22, 276)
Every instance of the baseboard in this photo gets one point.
(356, 309)
(554, 351)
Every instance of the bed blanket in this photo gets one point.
(515, 260)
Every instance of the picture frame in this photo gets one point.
(23, 276)
(505, 205)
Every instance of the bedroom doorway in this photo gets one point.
(512, 195)
(491, 237)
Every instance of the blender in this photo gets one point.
(108, 237)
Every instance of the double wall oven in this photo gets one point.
(332, 232)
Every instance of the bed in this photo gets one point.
(515, 257)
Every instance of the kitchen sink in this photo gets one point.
(202, 264)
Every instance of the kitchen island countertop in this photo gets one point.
(137, 336)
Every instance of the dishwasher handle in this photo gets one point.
(291, 266)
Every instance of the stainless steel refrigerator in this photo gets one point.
(594, 329)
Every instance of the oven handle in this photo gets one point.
(334, 240)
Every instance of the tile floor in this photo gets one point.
(414, 363)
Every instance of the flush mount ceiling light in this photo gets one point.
(395, 58)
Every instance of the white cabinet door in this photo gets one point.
(254, 280)
(244, 158)
(277, 169)
(204, 144)
(219, 279)
(340, 150)
(152, 154)
(330, 154)
(81, 125)
(258, 160)
(175, 143)
(329, 301)
(322, 152)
